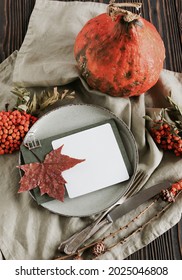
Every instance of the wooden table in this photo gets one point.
(166, 15)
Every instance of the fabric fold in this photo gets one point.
(46, 56)
(29, 231)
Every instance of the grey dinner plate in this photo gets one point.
(71, 117)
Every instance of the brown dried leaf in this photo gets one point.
(48, 175)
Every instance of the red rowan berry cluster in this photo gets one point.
(167, 137)
(176, 187)
(169, 194)
(13, 127)
(166, 129)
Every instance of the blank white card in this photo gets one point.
(103, 166)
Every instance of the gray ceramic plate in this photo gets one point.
(71, 117)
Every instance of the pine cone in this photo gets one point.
(167, 195)
(98, 249)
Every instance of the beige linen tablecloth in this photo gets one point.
(28, 231)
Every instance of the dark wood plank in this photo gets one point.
(179, 237)
(166, 15)
(14, 17)
(166, 247)
(2, 30)
(178, 6)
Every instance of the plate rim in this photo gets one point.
(112, 115)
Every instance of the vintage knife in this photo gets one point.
(70, 245)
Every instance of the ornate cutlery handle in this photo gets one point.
(70, 245)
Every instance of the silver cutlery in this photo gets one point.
(70, 245)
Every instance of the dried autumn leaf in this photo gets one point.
(48, 174)
(35, 102)
(47, 98)
(67, 94)
(32, 104)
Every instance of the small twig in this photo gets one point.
(133, 220)
(174, 105)
(125, 239)
(109, 235)
(34, 102)
(6, 107)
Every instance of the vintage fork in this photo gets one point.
(70, 245)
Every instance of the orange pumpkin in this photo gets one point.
(119, 53)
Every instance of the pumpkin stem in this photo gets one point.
(115, 9)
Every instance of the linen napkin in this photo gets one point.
(24, 234)
(46, 56)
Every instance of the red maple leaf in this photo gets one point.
(48, 174)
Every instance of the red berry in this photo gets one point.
(167, 137)
(13, 128)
